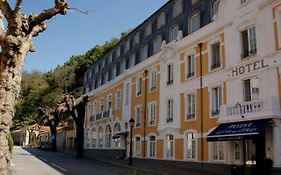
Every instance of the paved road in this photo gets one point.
(29, 161)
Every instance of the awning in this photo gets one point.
(116, 136)
(237, 130)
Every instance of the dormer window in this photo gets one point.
(215, 9)
(178, 8)
(161, 20)
(157, 44)
(148, 29)
(127, 46)
(118, 52)
(194, 23)
(137, 38)
(143, 54)
(173, 33)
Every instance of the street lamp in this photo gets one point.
(131, 123)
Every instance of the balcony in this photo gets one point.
(152, 88)
(190, 116)
(169, 120)
(189, 75)
(169, 82)
(215, 65)
(258, 109)
(245, 54)
(92, 118)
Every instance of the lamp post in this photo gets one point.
(131, 123)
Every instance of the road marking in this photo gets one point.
(59, 167)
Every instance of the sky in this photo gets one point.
(76, 33)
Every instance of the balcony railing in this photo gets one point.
(190, 116)
(152, 88)
(169, 82)
(248, 53)
(189, 75)
(245, 108)
(215, 112)
(92, 118)
(169, 120)
(104, 114)
(215, 65)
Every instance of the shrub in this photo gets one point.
(10, 143)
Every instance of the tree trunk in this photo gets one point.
(80, 140)
(54, 138)
(10, 79)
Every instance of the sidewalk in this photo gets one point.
(161, 167)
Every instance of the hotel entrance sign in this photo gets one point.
(249, 67)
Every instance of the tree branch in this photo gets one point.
(6, 9)
(17, 7)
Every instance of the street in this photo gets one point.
(31, 161)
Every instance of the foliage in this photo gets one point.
(10, 143)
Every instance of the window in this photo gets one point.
(237, 152)
(94, 138)
(170, 76)
(137, 38)
(118, 69)
(243, 1)
(218, 151)
(127, 93)
(251, 89)
(101, 105)
(118, 52)
(113, 72)
(110, 58)
(190, 146)
(133, 60)
(216, 100)
(215, 8)
(153, 80)
(127, 64)
(278, 18)
(169, 146)
(157, 44)
(139, 86)
(116, 140)
(170, 110)
(109, 102)
(108, 136)
(177, 8)
(118, 100)
(144, 53)
(161, 20)
(148, 29)
(152, 146)
(138, 147)
(190, 106)
(249, 43)
(95, 108)
(87, 138)
(194, 23)
(215, 56)
(174, 33)
(138, 116)
(127, 46)
(190, 66)
(100, 139)
(194, 2)
(152, 113)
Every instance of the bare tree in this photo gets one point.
(16, 42)
(77, 111)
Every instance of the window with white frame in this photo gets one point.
(101, 105)
(190, 106)
(251, 89)
(138, 147)
(87, 138)
(108, 136)
(139, 86)
(152, 146)
(170, 110)
(116, 140)
(249, 43)
(161, 20)
(278, 17)
(94, 138)
(127, 87)
(118, 100)
(127, 45)
(109, 102)
(144, 53)
(157, 44)
(237, 152)
(95, 111)
(170, 74)
(215, 60)
(110, 58)
(138, 116)
(215, 8)
(100, 137)
(148, 29)
(169, 146)
(152, 113)
(137, 38)
(194, 23)
(216, 100)
(190, 146)
(153, 80)
(190, 66)
(177, 8)
(218, 151)
(173, 33)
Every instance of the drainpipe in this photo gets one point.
(201, 108)
(144, 117)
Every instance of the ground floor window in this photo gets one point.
(169, 146)
(237, 152)
(218, 151)
(100, 138)
(137, 147)
(250, 152)
(152, 146)
(94, 138)
(190, 146)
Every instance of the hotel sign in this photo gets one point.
(249, 67)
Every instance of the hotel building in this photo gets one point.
(201, 78)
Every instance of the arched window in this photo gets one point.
(87, 138)
(169, 146)
(117, 129)
(108, 135)
(152, 146)
(190, 146)
(94, 138)
(138, 147)
(100, 139)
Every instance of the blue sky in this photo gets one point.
(76, 33)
